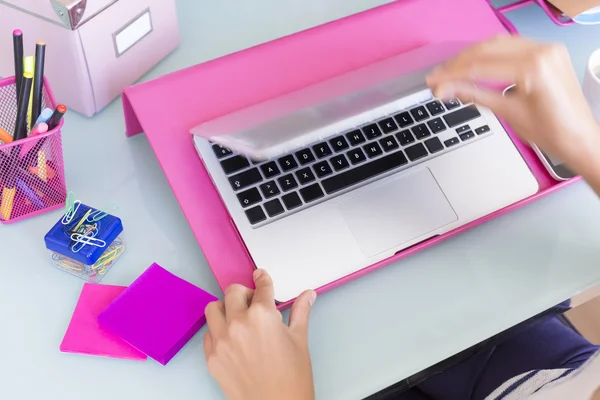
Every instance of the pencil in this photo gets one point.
(18, 54)
(38, 80)
(21, 123)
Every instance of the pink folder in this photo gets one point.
(215, 88)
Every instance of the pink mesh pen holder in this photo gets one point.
(32, 176)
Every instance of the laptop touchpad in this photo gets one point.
(397, 211)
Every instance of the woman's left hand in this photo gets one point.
(251, 353)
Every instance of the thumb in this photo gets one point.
(301, 311)
(469, 93)
(208, 344)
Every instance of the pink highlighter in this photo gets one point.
(39, 129)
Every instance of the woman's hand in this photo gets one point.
(251, 353)
(546, 107)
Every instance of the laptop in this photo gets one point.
(337, 176)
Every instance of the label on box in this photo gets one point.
(134, 31)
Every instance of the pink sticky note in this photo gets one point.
(158, 313)
(85, 336)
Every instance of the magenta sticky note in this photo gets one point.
(85, 336)
(158, 313)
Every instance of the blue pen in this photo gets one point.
(44, 116)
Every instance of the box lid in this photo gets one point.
(44, 10)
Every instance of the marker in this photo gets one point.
(59, 112)
(18, 54)
(20, 125)
(39, 129)
(49, 171)
(7, 202)
(44, 116)
(61, 109)
(41, 164)
(5, 136)
(26, 147)
(30, 194)
(23, 173)
(38, 80)
(29, 68)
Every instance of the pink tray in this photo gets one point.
(217, 87)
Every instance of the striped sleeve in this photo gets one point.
(524, 385)
(552, 383)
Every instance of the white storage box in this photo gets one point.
(91, 57)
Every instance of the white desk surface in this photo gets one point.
(364, 336)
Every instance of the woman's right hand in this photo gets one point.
(546, 107)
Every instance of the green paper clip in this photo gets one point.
(100, 213)
(71, 207)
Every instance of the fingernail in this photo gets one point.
(312, 298)
(257, 273)
(445, 92)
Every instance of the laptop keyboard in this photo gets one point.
(270, 190)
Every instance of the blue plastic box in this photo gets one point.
(58, 239)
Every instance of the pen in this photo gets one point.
(61, 109)
(38, 80)
(5, 136)
(26, 147)
(44, 116)
(18, 54)
(30, 194)
(29, 67)
(33, 179)
(20, 125)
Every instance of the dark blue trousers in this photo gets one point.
(548, 344)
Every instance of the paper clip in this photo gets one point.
(71, 208)
(84, 239)
(80, 223)
(99, 213)
(66, 263)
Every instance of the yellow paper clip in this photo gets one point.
(82, 220)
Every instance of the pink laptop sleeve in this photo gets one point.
(215, 88)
